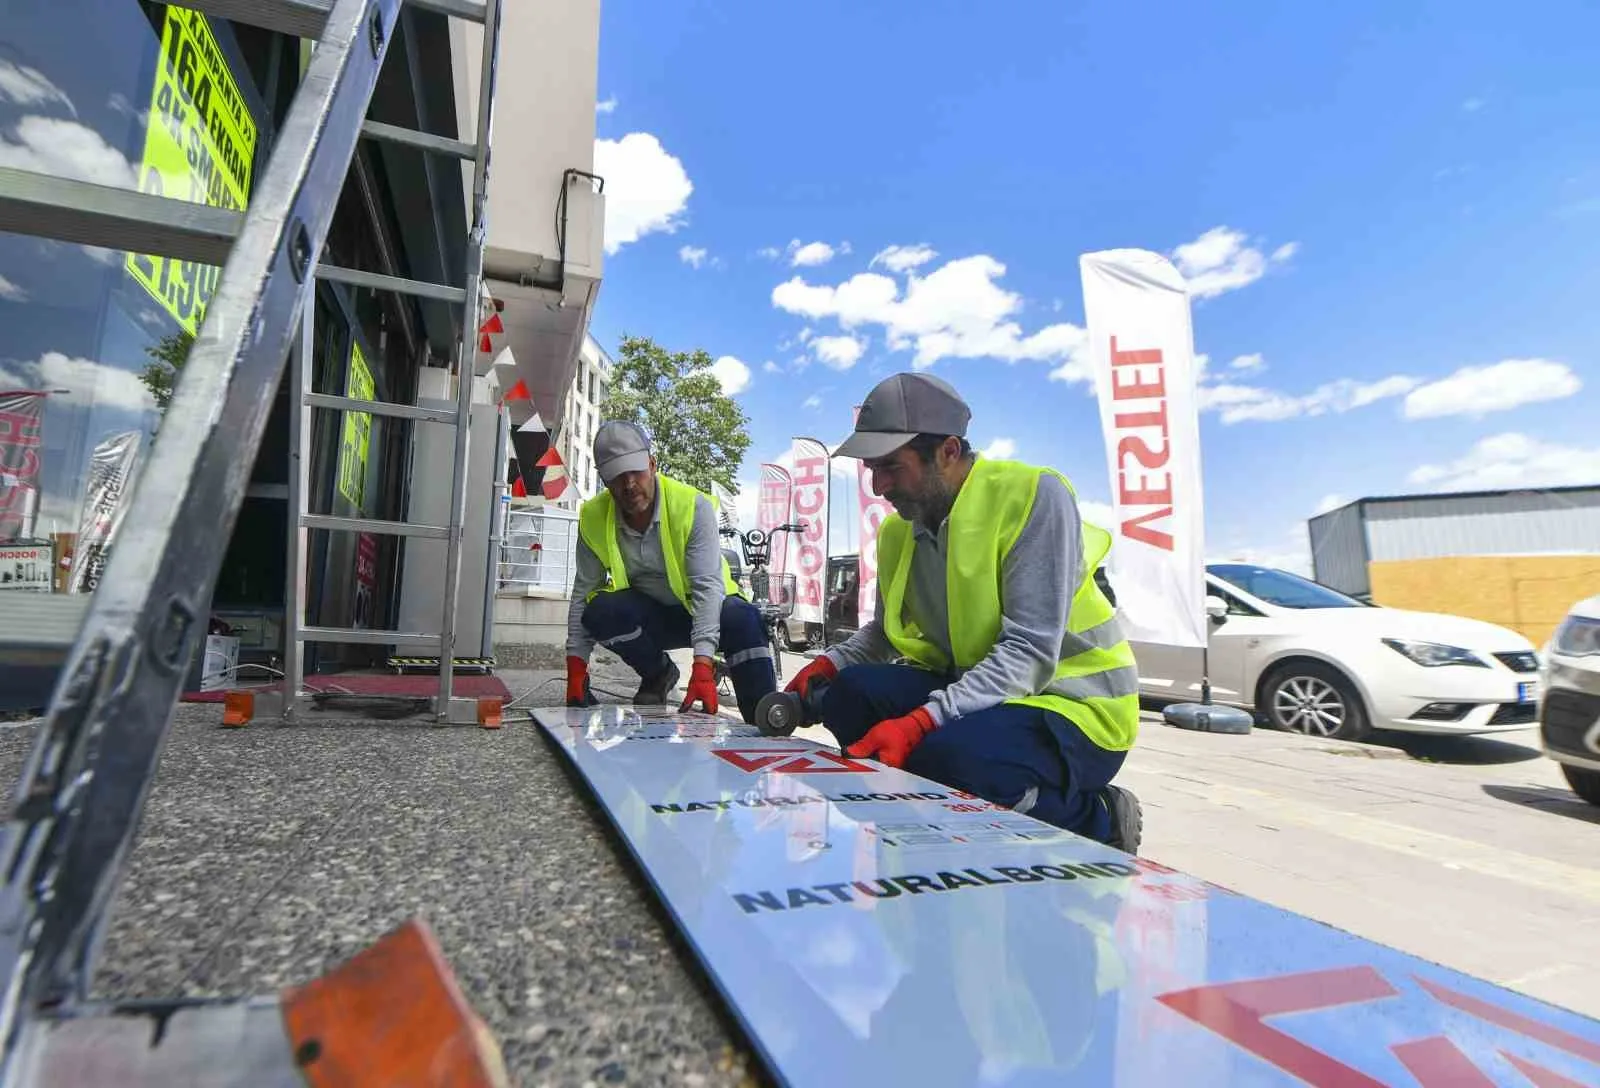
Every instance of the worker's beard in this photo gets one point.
(930, 505)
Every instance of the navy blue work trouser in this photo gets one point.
(1002, 754)
(640, 630)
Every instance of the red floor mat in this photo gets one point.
(379, 683)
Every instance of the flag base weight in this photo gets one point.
(1208, 718)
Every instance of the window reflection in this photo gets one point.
(133, 96)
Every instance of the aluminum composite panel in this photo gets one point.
(865, 937)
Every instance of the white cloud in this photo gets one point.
(903, 258)
(1248, 363)
(771, 367)
(1001, 449)
(31, 87)
(813, 401)
(955, 312)
(10, 292)
(1238, 403)
(810, 254)
(693, 256)
(1512, 460)
(49, 145)
(1472, 105)
(88, 383)
(1329, 502)
(1220, 261)
(608, 105)
(733, 375)
(839, 352)
(1476, 391)
(771, 253)
(647, 188)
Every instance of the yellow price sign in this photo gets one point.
(356, 440)
(199, 146)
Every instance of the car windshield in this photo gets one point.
(1281, 588)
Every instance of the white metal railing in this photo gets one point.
(539, 550)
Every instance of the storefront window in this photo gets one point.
(133, 96)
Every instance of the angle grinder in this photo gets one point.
(782, 712)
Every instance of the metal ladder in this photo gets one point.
(83, 790)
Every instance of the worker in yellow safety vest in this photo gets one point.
(651, 577)
(994, 663)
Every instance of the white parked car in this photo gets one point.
(1307, 658)
(1569, 722)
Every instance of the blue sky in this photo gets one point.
(1391, 212)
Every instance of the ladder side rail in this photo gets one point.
(467, 350)
(88, 777)
(297, 572)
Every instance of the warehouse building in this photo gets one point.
(1515, 558)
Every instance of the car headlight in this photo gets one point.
(1578, 636)
(1434, 654)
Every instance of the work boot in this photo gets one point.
(655, 689)
(1127, 819)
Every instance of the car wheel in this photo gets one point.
(1306, 697)
(1584, 782)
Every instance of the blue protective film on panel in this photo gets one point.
(867, 926)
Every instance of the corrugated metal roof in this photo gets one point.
(1500, 523)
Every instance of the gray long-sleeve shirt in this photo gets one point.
(646, 565)
(1038, 579)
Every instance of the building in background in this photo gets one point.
(1514, 558)
(101, 331)
(585, 397)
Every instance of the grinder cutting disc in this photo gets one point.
(778, 714)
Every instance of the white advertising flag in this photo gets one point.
(1142, 345)
(810, 475)
(772, 510)
(110, 477)
(874, 509)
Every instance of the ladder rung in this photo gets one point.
(474, 11)
(425, 141)
(371, 525)
(296, 18)
(366, 636)
(380, 408)
(101, 215)
(379, 282)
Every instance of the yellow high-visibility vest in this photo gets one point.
(1096, 683)
(597, 525)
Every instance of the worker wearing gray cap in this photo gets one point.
(1017, 683)
(651, 577)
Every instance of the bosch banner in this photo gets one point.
(1137, 306)
(21, 424)
(873, 510)
(773, 508)
(867, 926)
(811, 508)
(110, 477)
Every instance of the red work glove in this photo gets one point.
(891, 740)
(578, 693)
(702, 687)
(821, 668)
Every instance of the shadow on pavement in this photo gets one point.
(1546, 799)
(1473, 751)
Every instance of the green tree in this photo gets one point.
(167, 357)
(698, 433)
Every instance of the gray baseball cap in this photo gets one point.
(901, 407)
(620, 446)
